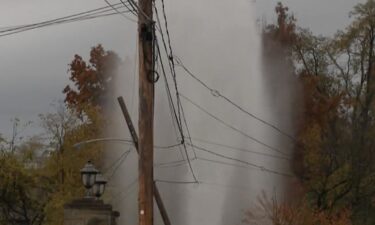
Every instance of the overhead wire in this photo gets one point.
(179, 163)
(56, 23)
(115, 162)
(135, 7)
(169, 53)
(175, 163)
(178, 115)
(169, 96)
(222, 163)
(176, 182)
(180, 109)
(174, 111)
(88, 12)
(127, 190)
(262, 168)
(216, 93)
(187, 129)
(240, 149)
(207, 183)
(231, 126)
(131, 9)
(86, 15)
(120, 13)
(119, 164)
(168, 146)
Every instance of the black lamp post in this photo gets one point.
(88, 175)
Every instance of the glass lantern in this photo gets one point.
(99, 186)
(88, 175)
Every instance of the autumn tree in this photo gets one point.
(92, 80)
(81, 118)
(357, 45)
(280, 37)
(62, 167)
(22, 201)
(334, 154)
(275, 212)
(334, 147)
(23, 193)
(38, 176)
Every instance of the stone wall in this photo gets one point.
(89, 212)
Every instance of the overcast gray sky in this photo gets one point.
(33, 65)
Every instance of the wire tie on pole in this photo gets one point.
(215, 93)
(153, 76)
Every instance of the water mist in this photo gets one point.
(219, 42)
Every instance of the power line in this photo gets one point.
(170, 55)
(174, 112)
(222, 162)
(216, 93)
(176, 182)
(132, 9)
(120, 163)
(183, 162)
(120, 13)
(227, 186)
(120, 140)
(171, 103)
(187, 129)
(127, 190)
(171, 66)
(179, 163)
(175, 163)
(115, 162)
(62, 20)
(207, 183)
(230, 126)
(173, 73)
(262, 168)
(168, 146)
(240, 149)
(88, 12)
(135, 7)
(57, 23)
(234, 148)
(28, 27)
(170, 100)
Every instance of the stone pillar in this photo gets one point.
(89, 212)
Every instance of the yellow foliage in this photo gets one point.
(271, 212)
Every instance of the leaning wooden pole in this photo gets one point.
(133, 133)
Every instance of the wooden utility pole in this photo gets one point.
(146, 112)
(133, 133)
